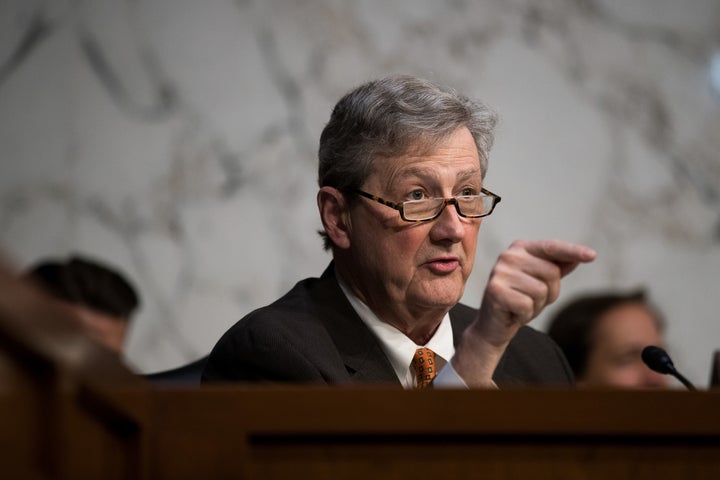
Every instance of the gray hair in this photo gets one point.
(389, 117)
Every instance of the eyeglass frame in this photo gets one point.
(400, 207)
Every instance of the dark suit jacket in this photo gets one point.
(313, 335)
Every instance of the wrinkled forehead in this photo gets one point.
(433, 174)
(455, 155)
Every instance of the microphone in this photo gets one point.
(659, 361)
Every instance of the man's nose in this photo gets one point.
(448, 225)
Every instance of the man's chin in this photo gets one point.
(441, 298)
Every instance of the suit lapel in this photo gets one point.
(364, 359)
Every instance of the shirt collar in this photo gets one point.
(396, 345)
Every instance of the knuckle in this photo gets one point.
(526, 308)
(509, 257)
(517, 244)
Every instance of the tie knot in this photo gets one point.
(423, 363)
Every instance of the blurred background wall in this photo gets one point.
(177, 140)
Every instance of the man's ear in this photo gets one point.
(335, 216)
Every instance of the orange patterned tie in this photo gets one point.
(423, 363)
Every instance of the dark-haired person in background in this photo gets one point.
(402, 165)
(103, 298)
(603, 335)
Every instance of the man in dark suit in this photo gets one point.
(401, 199)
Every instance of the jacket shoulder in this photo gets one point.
(533, 358)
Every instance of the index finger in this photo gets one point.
(558, 251)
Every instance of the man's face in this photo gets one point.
(415, 268)
(619, 338)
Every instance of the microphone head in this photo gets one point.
(657, 359)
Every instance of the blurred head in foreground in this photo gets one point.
(102, 297)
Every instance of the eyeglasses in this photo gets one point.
(468, 206)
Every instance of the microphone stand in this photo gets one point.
(682, 379)
(659, 361)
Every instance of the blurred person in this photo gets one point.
(603, 335)
(401, 197)
(101, 297)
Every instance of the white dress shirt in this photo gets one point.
(400, 349)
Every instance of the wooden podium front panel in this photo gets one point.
(479, 458)
(327, 433)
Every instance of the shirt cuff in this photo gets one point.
(449, 378)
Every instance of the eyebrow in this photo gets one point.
(429, 174)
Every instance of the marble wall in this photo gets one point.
(177, 139)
